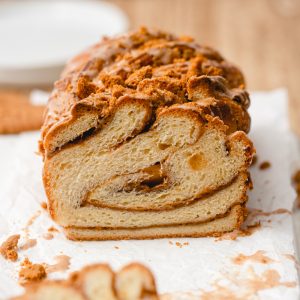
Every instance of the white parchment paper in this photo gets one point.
(205, 264)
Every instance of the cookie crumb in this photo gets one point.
(178, 244)
(116, 247)
(264, 165)
(31, 272)
(53, 229)
(9, 248)
(44, 205)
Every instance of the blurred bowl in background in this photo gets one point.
(38, 37)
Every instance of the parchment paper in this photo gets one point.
(204, 266)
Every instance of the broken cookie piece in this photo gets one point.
(31, 272)
(9, 248)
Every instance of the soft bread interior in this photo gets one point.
(203, 210)
(195, 159)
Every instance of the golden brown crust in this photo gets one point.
(152, 65)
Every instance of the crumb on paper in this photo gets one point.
(44, 205)
(264, 165)
(178, 244)
(30, 222)
(53, 229)
(9, 247)
(116, 247)
(31, 272)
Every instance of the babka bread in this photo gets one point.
(98, 282)
(145, 137)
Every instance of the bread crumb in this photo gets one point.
(170, 242)
(25, 262)
(53, 229)
(178, 244)
(44, 205)
(9, 248)
(116, 247)
(31, 272)
(264, 165)
(30, 222)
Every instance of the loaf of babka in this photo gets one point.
(97, 282)
(145, 137)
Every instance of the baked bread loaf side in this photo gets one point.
(145, 137)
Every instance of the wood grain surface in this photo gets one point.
(260, 36)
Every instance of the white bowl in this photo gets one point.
(38, 37)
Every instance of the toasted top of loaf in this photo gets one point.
(157, 68)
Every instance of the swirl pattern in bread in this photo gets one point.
(145, 137)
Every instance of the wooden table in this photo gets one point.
(261, 36)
